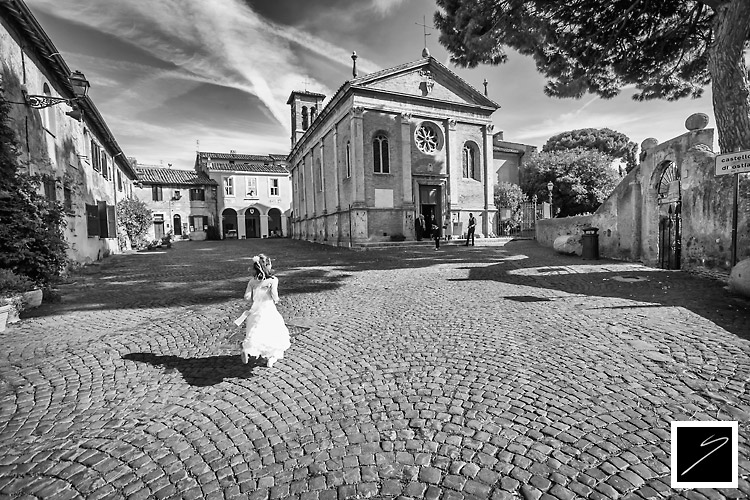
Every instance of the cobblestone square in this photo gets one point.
(469, 373)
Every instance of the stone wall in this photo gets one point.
(628, 221)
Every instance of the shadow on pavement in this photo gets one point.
(200, 372)
(210, 272)
(546, 269)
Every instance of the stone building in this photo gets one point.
(673, 211)
(509, 158)
(182, 201)
(388, 146)
(62, 135)
(254, 193)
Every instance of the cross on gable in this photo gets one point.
(424, 29)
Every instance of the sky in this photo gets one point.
(174, 76)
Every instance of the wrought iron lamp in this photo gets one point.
(549, 190)
(80, 89)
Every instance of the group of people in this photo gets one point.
(432, 229)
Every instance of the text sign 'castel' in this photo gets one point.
(733, 163)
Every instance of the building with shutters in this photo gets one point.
(62, 137)
(254, 193)
(182, 202)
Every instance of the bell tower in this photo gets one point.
(305, 109)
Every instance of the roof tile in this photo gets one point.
(148, 175)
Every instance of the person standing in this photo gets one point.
(471, 229)
(435, 230)
(420, 227)
(266, 334)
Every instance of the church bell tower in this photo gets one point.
(305, 108)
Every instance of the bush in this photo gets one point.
(32, 242)
(12, 283)
(135, 218)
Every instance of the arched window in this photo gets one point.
(348, 159)
(380, 160)
(313, 114)
(305, 123)
(471, 168)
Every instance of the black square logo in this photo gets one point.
(704, 454)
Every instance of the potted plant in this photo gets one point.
(17, 292)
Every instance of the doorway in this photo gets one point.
(229, 222)
(669, 195)
(429, 206)
(252, 223)
(177, 225)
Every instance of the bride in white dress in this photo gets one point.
(266, 334)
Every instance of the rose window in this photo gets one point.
(427, 139)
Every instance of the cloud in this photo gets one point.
(219, 41)
(385, 6)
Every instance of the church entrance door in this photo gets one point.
(429, 206)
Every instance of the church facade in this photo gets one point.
(389, 146)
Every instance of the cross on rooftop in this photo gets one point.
(424, 29)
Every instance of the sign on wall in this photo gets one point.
(733, 163)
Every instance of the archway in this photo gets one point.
(274, 223)
(229, 222)
(252, 223)
(669, 198)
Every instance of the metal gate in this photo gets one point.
(670, 236)
(670, 217)
(520, 223)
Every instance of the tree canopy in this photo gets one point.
(135, 218)
(611, 142)
(668, 49)
(582, 179)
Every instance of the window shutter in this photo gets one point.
(102, 214)
(111, 225)
(92, 220)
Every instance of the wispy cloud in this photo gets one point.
(385, 6)
(224, 41)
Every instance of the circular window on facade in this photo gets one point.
(427, 138)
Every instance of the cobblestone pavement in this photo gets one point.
(474, 373)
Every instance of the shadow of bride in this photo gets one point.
(201, 372)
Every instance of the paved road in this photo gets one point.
(475, 373)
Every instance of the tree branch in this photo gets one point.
(714, 4)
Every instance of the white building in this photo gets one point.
(62, 135)
(254, 193)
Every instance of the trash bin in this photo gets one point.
(590, 243)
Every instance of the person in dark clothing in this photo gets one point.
(420, 227)
(470, 232)
(435, 231)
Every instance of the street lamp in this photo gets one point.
(78, 83)
(549, 190)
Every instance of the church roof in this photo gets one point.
(378, 75)
(303, 92)
(361, 83)
(149, 175)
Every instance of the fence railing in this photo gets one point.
(522, 224)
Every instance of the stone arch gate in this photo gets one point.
(669, 199)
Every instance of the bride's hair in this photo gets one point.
(260, 267)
